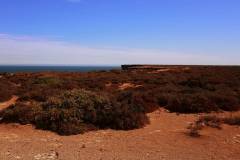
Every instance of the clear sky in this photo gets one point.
(119, 31)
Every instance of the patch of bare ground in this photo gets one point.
(109, 84)
(125, 86)
(170, 69)
(164, 138)
(6, 104)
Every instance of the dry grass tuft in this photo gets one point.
(212, 121)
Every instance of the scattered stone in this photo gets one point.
(46, 156)
(55, 144)
(237, 141)
(17, 157)
(83, 146)
(8, 153)
(98, 141)
(155, 131)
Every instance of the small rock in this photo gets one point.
(237, 141)
(46, 156)
(17, 157)
(8, 153)
(98, 141)
(83, 146)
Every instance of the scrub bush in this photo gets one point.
(77, 111)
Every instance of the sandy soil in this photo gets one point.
(125, 86)
(179, 69)
(8, 103)
(164, 139)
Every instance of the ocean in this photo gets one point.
(21, 68)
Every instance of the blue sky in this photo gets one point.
(116, 32)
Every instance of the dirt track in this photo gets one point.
(164, 139)
(8, 103)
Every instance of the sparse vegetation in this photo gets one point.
(232, 120)
(196, 90)
(77, 111)
(212, 121)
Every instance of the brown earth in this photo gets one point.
(6, 104)
(164, 138)
(128, 85)
(170, 69)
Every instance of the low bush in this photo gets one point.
(232, 120)
(198, 102)
(213, 121)
(189, 103)
(77, 111)
(209, 120)
(225, 101)
(6, 90)
(20, 113)
(47, 81)
(39, 94)
(194, 129)
(199, 89)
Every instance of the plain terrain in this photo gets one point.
(129, 114)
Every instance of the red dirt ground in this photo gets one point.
(164, 138)
(8, 103)
(128, 85)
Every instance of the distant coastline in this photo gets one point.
(54, 68)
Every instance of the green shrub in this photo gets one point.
(213, 121)
(20, 113)
(225, 101)
(232, 120)
(187, 103)
(6, 90)
(77, 111)
(52, 81)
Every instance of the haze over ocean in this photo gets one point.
(43, 68)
